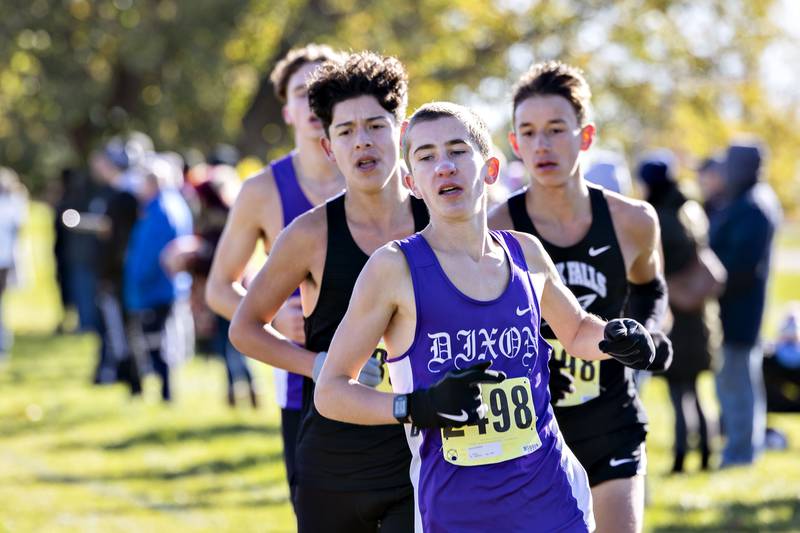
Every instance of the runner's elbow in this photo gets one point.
(324, 399)
(237, 333)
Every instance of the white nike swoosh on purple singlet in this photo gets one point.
(525, 311)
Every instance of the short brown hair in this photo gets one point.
(363, 73)
(294, 61)
(476, 128)
(559, 79)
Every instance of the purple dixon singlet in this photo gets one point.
(289, 386)
(513, 471)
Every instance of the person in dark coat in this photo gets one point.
(695, 278)
(741, 235)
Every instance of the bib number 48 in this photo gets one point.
(586, 374)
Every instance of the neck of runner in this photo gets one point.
(563, 203)
(383, 208)
(470, 236)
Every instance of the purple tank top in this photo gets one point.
(289, 386)
(544, 490)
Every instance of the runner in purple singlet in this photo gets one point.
(464, 308)
(267, 203)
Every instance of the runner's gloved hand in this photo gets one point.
(370, 374)
(455, 400)
(561, 384)
(628, 342)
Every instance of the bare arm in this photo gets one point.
(372, 306)
(286, 268)
(642, 226)
(578, 331)
(224, 290)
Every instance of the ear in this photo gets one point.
(492, 170)
(587, 136)
(326, 147)
(408, 181)
(512, 140)
(285, 114)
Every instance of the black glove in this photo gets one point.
(663, 352)
(560, 384)
(629, 343)
(455, 400)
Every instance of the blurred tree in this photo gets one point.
(683, 74)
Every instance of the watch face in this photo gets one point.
(400, 407)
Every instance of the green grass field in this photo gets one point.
(74, 457)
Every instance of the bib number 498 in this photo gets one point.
(508, 432)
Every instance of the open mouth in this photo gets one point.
(366, 163)
(449, 190)
(546, 165)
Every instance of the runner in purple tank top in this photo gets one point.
(267, 203)
(468, 366)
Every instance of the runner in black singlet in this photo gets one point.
(607, 250)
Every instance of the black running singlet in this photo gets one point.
(594, 270)
(333, 455)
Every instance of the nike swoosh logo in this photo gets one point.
(523, 312)
(455, 418)
(594, 252)
(616, 462)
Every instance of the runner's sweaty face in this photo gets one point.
(297, 112)
(448, 171)
(548, 139)
(364, 140)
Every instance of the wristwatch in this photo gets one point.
(400, 410)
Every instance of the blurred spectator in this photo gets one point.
(152, 294)
(695, 278)
(73, 251)
(741, 235)
(13, 211)
(711, 181)
(212, 201)
(111, 166)
(610, 171)
(782, 366)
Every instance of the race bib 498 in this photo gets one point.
(586, 374)
(508, 432)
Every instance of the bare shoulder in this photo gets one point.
(500, 217)
(259, 187)
(633, 219)
(389, 263)
(310, 228)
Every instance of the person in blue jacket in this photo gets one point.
(741, 235)
(150, 290)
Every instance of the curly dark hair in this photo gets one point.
(294, 61)
(476, 128)
(555, 78)
(363, 73)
